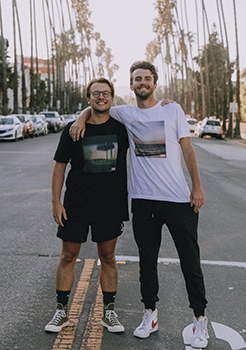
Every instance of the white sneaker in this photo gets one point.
(148, 325)
(200, 333)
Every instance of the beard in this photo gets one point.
(143, 95)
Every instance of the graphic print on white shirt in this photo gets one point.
(100, 153)
(149, 139)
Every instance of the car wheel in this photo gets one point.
(37, 133)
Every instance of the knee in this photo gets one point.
(108, 259)
(68, 257)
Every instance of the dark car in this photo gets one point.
(53, 119)
(28, 127)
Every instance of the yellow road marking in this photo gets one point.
(92, 338)
(65, 338)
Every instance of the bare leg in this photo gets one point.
(65, 267)
(109, 271)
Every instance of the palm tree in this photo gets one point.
(213, 62)
(237, 127)
(224, 106)
(48, 56)
(200, 66)
(15, 64)
(4, 71)
(31, 71)
(229, 130)
(23, 80)
(37, 70)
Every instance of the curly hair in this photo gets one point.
(144, 65)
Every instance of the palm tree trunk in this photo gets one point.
(23, 85)
(237, 133)
(15, 64)
(224, 105)
(229, 130)
(37, 70)
(32, 71)
(48, 56)
(4, 71)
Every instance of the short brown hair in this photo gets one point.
(102, 81)
(144, 65)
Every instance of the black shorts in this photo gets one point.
(77, 232)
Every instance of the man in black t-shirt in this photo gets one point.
(95, 197)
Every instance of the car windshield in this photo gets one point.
(49, 115)
(34, 119)
(22, 119)
(6, 121)
(192, 122)
(213, 123)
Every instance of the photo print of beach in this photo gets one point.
(100, 153)
(149, 139)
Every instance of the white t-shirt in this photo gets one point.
(155, 154)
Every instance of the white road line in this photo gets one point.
(228, 334)
(167, 261)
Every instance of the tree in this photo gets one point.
(3, 84)
(15, 62)
(237, 134)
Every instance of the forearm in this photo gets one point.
(84, 115)
(57, 182)
(192, 167)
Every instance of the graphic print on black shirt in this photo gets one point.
(100, 153)
(149, 139)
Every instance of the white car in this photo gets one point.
(192, 122)
(11, 128)
(209, 126)
(70, 118)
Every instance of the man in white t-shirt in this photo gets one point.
(160, 194)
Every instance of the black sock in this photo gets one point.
(62, 296)
(108, 297)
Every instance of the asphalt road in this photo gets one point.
(29, 253)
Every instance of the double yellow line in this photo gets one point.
(92, 337)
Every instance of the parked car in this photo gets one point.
(11, 128)
(28, 127)
(70, 118)
(192, 123)
(39, 125)
(63, 121)
(210, 127)
(53, 119)
(45, 124)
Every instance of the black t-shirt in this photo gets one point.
(96, 185)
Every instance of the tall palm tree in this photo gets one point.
(15, 63)
(206, 68)
(37, 70)
(237, 127)
(230, 97)
(224, 105)
(48, 56)
(23, 79)
(213, 62)
(31, 70)
(200, 66)
(4, 71)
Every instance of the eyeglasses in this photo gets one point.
(98, 93)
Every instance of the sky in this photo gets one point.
(126, 27)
